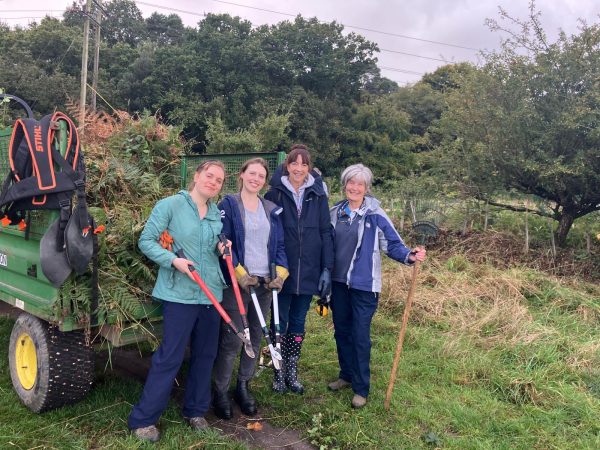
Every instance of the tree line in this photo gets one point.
(526, 120)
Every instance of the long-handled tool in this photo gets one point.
(214, 301)
(276, 309)
(411, 292)
(238, 296)
(275, 355)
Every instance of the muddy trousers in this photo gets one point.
(353, 311)
(197, 325)
(230, 345)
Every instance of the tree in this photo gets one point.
(262, 135)
(529, 120)
(123, 23)
(165, 30)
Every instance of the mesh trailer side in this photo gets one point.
(233, 162)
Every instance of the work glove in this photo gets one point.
(245, 281)
(324, 286)
(277, 282)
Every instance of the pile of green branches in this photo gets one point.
(127, 173)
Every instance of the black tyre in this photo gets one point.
(48, 368)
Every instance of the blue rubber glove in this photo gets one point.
(324, 283)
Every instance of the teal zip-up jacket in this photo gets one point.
(197, 237)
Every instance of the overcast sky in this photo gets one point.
(448, 24)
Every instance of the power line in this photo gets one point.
(26, 17)
(403, 36)
(394, 69)
(282, 13)
(31, 10)
(256, 8)
(198, 14)
(412, 54)
(285, 14)
(172, 9)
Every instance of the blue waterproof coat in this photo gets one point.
(197, 237)
(376, 234)
(232, 216)
(308, 238)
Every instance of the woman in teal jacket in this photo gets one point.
(194, 223)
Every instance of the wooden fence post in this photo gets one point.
(487, 215)
(526, 248)
(402, 210)
(552, 239)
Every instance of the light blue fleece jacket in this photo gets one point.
(197, 237)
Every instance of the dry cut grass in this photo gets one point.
(463, 298)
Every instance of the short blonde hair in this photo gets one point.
(359, 172)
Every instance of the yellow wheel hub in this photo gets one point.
(26, 361)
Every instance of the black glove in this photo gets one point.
(324, 286)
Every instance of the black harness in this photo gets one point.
(33, 183)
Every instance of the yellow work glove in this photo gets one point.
(245, 281)
(277, 282)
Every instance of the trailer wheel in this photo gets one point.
(48, 368)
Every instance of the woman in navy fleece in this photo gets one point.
(362, 231)
(253, 225)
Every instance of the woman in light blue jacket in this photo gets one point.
(194, 223)
(362, 232)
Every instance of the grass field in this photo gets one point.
(493, 359)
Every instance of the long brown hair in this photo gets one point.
(247, 164)
(204, 166)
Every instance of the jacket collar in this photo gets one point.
(212, 213)
(370, 204)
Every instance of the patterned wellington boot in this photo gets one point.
(291, 347)
(279, 380)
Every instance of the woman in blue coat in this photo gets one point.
(309, 249)
(362, 232)
(194, 222)
(253, 225)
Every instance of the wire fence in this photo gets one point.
(464, 216)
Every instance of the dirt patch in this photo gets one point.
(129, 364)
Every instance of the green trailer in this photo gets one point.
(51, 350)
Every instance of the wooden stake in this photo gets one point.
(411, 292)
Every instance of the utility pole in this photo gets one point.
(96, 53)
(84, 64)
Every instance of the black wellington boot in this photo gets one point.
(222, 405)
(243, 398)
(291, 347)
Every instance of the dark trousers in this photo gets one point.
(182, 323)
(230, 345)
(352, 312)
(292, 313)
